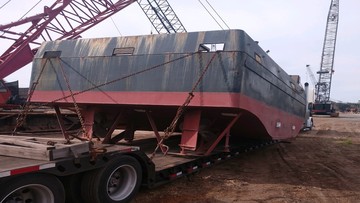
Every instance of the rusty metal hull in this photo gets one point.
(156, 72)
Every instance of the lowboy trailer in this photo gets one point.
(110, 173)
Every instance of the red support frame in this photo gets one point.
(65, 19)
(107, 138)
(226, 132)
(190, 131)
(88, 116)
(156, 132)
(61, 123)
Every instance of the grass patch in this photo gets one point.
(347, 142)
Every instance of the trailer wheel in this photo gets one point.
(117, 182)
(72, 188)
(39, 188)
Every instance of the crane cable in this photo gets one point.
(215, 13)
(22, 15)
(4, 4)
(0, 9)
(116, 27)
(30, 9)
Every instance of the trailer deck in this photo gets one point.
(15, 165)
(76, 169)
(14, 148)
(13, 162)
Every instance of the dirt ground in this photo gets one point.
(322, 165)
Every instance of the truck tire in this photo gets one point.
(117, 182)
(39, 188)
(72, 188)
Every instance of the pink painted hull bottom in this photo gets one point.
(258, 117)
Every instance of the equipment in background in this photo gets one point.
(322, 104)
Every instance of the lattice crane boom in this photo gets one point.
(311, 74)
(65, 19)
(161, 16)
(326, 71)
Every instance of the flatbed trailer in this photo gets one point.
(109, 173)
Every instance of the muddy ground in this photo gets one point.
(322, 165)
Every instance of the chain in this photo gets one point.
(168, 131)
(125, 77)
(22, 116)
(171, 128)
(77, 109)
(72, 95)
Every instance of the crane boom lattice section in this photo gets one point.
(327, 58)
(161, 16)
(65, 19)
(312, 76)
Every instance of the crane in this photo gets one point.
(322, 103)
(67, 19)
(311, 74)
(161, 16)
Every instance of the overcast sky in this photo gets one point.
(293, 31)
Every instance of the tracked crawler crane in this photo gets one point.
(322, 103)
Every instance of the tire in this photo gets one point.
(39, 188)
(72, 188)
(117, 182)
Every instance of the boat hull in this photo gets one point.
(240, 78)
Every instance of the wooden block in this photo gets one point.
(38, 149)
(24, 152)
(14, 141)
(73, 150)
